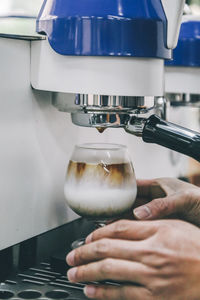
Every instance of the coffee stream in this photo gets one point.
(101, 129)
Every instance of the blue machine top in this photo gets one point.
(135, 28)
(187, 52)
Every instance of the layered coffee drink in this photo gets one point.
(102, 185)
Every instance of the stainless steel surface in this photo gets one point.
(161, 107)
(192, 100)
(114, 104)
(99, 104)
(98, 120)
(114, 112)
(135, 126)
(109, 111)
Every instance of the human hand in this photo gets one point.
(169, 196)
(161, 257)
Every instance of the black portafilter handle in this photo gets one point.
(172, 136)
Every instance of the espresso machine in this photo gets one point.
(101, 66)
(89, 60)
(96, 61)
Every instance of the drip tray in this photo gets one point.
(48, 279)
(40, 283)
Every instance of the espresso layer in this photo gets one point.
(113, 175)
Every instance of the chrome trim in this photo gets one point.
(135, 126)
(179, 99)
(119, 104)
(101, 112)
(98, 103)
(104, 120)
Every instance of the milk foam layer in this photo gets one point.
(93, 202)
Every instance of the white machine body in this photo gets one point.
(119, 76)
(95, 75)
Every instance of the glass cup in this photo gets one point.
(100, 182)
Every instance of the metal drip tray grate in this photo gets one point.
(47, 280)
(40, 283)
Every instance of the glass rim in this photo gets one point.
(101, 146)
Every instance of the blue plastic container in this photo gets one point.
(136, 28)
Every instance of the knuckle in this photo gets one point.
(120, 227)
(187, 197)
(102, 247)
(102, 293)
(194, 194)
(161, 205)
(158, 288)
(163, 227)
(107, 266)
(187, 193)
(190, 201)
(126, 292)
(191, 195)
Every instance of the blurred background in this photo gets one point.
(195, 6)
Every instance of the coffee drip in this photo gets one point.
(101, 129)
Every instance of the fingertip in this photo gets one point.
(142, 213)
(89, 291)
(89, 238)
(71, 274)
(71, 258)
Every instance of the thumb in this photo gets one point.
(161, 207)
